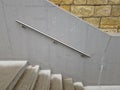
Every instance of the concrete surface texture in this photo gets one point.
(78, 86)
(76, 49)
(9, 73)
(56, 82)
(102, 88)
(43, 80)
(104, 14)
(30, 79)
(68, 84)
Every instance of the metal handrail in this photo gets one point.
(28, 26)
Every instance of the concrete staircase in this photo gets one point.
(19, 75)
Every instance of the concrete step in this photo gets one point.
(102, 87)
(68, 84)
(10, 72)
(15, 75)
(78, 86)
(28, 79)
(43, 80)
(56, 82)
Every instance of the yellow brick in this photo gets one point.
(65, 7)
(79, 1)
(114, 1)
(97, 1)
(66, 1)
(119, 30)
(83, 11)
(116, 10)
(110, 23)
(56, 1)
(102, 10)
(93, 21)
(110, 30)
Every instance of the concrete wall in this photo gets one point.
(89, 48)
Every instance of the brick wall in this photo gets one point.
(104, 14)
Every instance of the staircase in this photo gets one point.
(19, 75)
(44, 34)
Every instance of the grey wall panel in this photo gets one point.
(38, 46)
(111, 71)
(113, 51)
(91, 73)
(17, 35)
(35, 16)
(29, 3)
(66, 30)
(96, 43)
(111, 74)
(54, 26)
(5, 47)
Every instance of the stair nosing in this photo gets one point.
(18, 75)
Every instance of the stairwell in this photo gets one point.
(46, 35)
(19, 75)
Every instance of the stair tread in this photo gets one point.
(56, 82)
(102, 88)
(9, 73)
(78, 86)
(68, 84)
(43, 80)
(28, 79)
